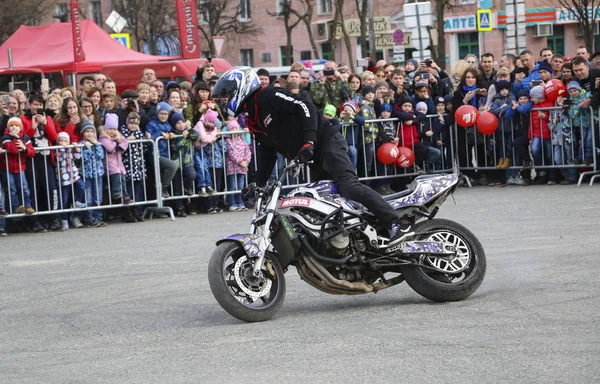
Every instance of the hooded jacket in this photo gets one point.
(16, 159)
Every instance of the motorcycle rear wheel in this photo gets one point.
(238, 292)
(443, 287)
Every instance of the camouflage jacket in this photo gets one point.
(326, 93)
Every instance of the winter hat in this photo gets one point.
(544, 66)
(329, 110)
(64, 135)
(386, 107)
(186, 85)
(231, 124)
(367, 89)
(111, 121)
(382, 83)
(15, 121)
(448, 99)
(175, 118)
(414, 62)
(162, 106)
(172, 84)
(86, 125)
(441, 100)
(523, 93)
(574, 85)
(502, 84)
(351, 104)
(210, 115)
(537, 92)
(201, 86)
(129, 93)
(421, 84)
(562, 93)
(420, 105)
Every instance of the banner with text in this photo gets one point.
(187, 18)
(78, 54)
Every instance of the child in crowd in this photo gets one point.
(133, 159)
(208, 134)
(562, 138)
(503, 136)
(115, 144)
(582, 121)
(18, 148)
(408, 134)
(182, 152)
(367, 111)
(427, 135)
(442, 124)
(350, 124)
(238, 158)
(215, 153)
(92, 154)
(519, 112)
(159, 127)
(541, 143)
(69, 178)
(388, 133)
(423, 94)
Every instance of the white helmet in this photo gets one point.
(237, 84)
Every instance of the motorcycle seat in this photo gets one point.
(398, 195)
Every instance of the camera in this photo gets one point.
(567, 102)
(362, 63)
(341, 70)
(329, 72)
(425, 76)
(428, 62)
(535, 83)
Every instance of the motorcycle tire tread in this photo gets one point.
(221, 293)
(441, 292)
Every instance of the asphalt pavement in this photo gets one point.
(130, 303)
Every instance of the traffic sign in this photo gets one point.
(398, 37)
(399, 48)
(218, 41)
(484, 20)
(398, 58)
(122, 38)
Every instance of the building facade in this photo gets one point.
(516, 25)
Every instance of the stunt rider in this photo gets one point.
(291, 126)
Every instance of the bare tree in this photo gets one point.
(361, 7)
(14, 13)
(285, 12)
(340, 16)
(146, 20)
(584, 12)
(306, 16)
(222, 18)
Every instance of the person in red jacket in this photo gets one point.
(539, 134)
(18, 148)
(408, 133)
(40, 172)
(69, 119)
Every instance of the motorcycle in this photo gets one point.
(339, 247)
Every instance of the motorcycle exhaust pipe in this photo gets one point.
(312, 253)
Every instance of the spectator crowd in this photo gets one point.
(72, 151)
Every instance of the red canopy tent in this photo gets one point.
(50, 48)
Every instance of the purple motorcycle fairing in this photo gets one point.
(425, 188)
(254, 245)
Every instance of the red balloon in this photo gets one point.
(552, 88)
(406, 157)
(487, 123)
(387, 153)
(466, 115)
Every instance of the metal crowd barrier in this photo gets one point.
(478, 152)
(43, 174)
(482, 154)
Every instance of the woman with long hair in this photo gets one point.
(68, 92)
(95, 94)
(69, 119)
(90, 113)
(457, 73)
(469, 93)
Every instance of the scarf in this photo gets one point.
(466, 88)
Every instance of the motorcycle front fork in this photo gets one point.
(265, 233)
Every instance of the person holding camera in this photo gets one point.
(330, 89)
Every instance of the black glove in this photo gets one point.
(248, 192)
(305, 153)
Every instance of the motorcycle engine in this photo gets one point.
(338, 244)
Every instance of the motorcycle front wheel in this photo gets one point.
(238, 291)
(457, 276)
